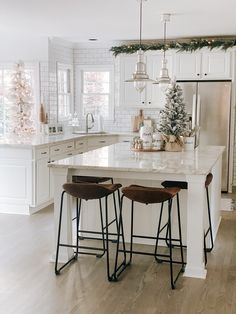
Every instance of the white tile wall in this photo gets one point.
(58, 52)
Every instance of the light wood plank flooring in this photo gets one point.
(28, 284)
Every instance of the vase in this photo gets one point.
(173, 147)
(189, 143)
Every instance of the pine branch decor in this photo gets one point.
(173, 118)
(190, 46)
(21, 103)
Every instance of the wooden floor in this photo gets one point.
(28, 284)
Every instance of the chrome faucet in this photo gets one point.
(92, 121)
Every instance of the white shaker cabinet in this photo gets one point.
(204, 65)
(152, 96)
(42, 176)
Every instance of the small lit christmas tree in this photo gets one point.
(173, 119)
(21, 99)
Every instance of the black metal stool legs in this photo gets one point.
(119, 269)
(57, 271)
(78, 210)
(209, 230)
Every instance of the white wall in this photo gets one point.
(23, 48)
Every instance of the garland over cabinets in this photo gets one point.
(191, 45)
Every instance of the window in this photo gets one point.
(65, 95)
(6, 71)
(96, 90)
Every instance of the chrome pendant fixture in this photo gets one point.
(164, 78)
(140, 76)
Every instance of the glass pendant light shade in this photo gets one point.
(164, 80)
(140, 76)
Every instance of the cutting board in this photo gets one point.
(137, 121)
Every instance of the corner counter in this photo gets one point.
(25, 178)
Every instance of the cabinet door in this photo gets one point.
(155, 97)
(42, 181)
(215, 65)
(187, 66)
(129, 96)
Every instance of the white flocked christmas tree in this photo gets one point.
(21, 103)
(173, 118)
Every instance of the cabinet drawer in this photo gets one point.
(101, 141)
(125, 139)
(69, 146)
(56, 149)
(42, 152)
(80, 144)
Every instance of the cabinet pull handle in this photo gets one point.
(126, 141)
(198, 74)
(57, 150)
(51, 161)
(43, 153)
(149, 102)
(102, 141)
(205, 73)
(70, 146)
(81, 143)
(143, 102)
(70, 154)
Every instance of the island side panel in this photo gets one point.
(195, 227)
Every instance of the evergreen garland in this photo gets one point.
(192, 45)
(173, 118)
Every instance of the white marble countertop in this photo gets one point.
(119, 157)
(40, 140)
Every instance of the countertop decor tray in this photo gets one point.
(148, 150)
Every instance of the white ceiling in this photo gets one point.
(78, 20)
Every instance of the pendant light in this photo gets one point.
(164, 78)
(140, 76)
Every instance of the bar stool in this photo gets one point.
(184, 185)
(97, 180)
(88, 191)
(152, 195)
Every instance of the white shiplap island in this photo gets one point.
(150, 169)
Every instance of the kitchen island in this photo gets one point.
(149, 169)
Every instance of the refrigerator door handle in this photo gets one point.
(198, 112)
(194, 111)
(198, 109)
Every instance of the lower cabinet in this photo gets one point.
(42, 181)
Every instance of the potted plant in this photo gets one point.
(173, 119)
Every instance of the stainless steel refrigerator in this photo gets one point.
(208, 105)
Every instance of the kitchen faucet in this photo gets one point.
(92, 121)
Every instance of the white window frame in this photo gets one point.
(35, 66)
(79, 86)
(66, 67)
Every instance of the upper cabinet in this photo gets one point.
(206, 65)
(152, 96)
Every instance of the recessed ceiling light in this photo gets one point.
(93, 39)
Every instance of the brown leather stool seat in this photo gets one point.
(184, 185)
(77, 179)
(90, 191)
(149, 195)
(152, 195)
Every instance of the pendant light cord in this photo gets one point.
(140, 24)
(164, 40)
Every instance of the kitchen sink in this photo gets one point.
(88, 133)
